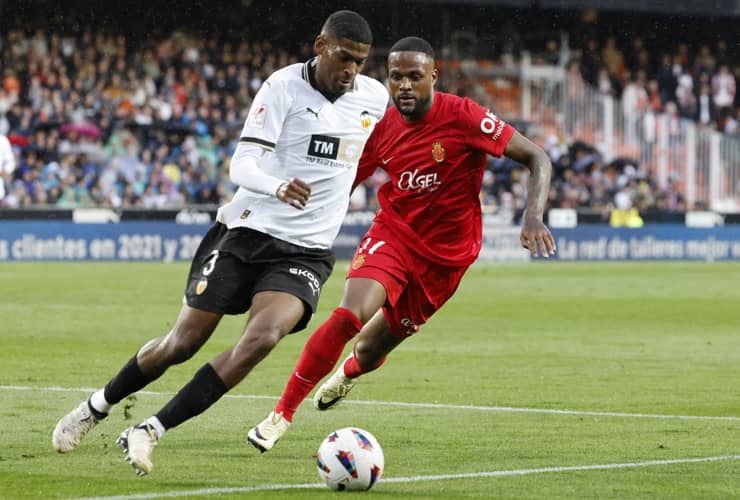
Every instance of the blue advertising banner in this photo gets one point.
(153, 241)
(650, 242)
(164, 241)
(65, 240)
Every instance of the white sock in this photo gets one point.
(97, 401)
(156, 425)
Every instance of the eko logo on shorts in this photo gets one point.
(313, 282)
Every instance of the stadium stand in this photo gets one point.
(104, 118)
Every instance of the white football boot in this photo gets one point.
(138, 443)
(333, 390)
(72, 428)
(265, 434)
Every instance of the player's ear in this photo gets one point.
(319, 45)
(435, 74)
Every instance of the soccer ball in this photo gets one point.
(350, 459)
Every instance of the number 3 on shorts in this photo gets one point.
(210, 263)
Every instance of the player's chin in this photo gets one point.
(342, 86)
(406, 105)
(409, 110)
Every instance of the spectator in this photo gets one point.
(634, 103)
(706, 113)
(666, 78)
(612, 57)
(7, 166)
(723, 90)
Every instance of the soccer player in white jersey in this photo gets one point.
(270, 249)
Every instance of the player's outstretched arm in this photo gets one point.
(535, 233)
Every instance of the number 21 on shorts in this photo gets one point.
(368, 247)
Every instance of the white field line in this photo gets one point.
(438, 406)
(415, 479)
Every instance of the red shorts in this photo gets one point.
(416, 288)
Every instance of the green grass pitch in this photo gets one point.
(549, 380)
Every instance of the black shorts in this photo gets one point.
(232, 265)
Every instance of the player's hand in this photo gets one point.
(294, 193)
(535, 235)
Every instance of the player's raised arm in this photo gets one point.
(534, 232)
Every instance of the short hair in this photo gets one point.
(413, 44)
(348, 24)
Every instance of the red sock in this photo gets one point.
(318, 358)
(352, 368)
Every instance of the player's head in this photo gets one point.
(342, 48)
(411, 76)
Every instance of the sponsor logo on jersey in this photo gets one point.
(358, 261)
(324, 146)
(411, 180)
(315, 113)
(257, 118)
(201, 286)
(313, 283)
(492, 124)
(365, 120)
(333, 148)
(438, 152)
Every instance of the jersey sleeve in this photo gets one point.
(264, 122)
(368, 161)
(484, 130)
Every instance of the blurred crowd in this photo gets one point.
(661, 74)
(98, 123)
(96, 120)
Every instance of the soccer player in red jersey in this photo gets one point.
(427, 232)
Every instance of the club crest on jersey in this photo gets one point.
(358, 261)
(438, 152)
(365, 120)
(245, 214)
(201, 286)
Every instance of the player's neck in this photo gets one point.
(316, 83)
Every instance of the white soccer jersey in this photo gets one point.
(311, 138)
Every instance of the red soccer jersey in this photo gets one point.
(431, 202)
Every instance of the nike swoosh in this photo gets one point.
(385, 162)
(325, 406)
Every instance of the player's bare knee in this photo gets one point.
(181, 345)
(260, 340)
